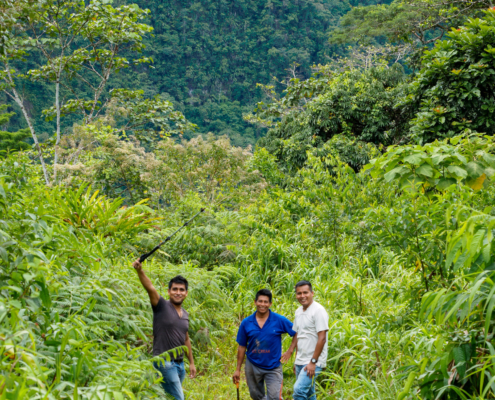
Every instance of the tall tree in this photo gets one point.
(8, 78)
(80, 44)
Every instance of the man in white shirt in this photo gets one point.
(311, 326)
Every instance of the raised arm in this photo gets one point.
(146, 282)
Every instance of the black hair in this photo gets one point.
(179, 280)
(304, 283)
(264, 292)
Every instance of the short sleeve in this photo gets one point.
(241, 335)
(295, 325)
(159, 306)
(287, 326)
(321, 320)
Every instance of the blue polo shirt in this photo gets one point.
(264, 346)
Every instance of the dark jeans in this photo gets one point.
(257, 378)
(173, 374)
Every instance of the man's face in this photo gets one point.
(263, 304)
(304, 295)
(177, 293)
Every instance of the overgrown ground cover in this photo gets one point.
(404, 274)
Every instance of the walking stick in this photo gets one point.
(146, 255)
(238, 395)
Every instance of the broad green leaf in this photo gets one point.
(415, 159)
(452, 254)
(474, 169)
(461, 158)
(489, 171)
(490, 159)
(426, 170)
(438, 158)
(118, 396)
(4, 255)
(445, 183)
(460, 261)
(457, 171)
(408, 385)
(477, 242)
(397, 171)
(487, 249)
(16, 303)
(489, 309)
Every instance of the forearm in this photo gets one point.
(145, 281)
(293, 344)
(189, 351)
(241, 352)
(322, 339)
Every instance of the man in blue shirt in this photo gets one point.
(260, 338)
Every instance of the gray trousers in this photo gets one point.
(257, 378)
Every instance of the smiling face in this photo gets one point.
(263, 304)
(304, 295)
(177, 293)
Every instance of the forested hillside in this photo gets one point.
(209, 56)
(374, 184)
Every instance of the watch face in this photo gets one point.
(313, 360)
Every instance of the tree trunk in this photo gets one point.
(57, 140)
(20, 103)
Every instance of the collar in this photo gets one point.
(311, 305)
(253, 316)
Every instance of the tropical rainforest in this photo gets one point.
(209, 56)
(373, 177)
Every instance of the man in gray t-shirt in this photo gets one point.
(170, 330)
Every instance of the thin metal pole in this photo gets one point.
(146, 255)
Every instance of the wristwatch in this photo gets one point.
(314, 360)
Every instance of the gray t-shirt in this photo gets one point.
(169, 330)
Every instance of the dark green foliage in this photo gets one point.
(360, 105)
(454, 88)
(400, 253)
(204, 48)
(417, 22)
(209, 55)
(12, 140)
(395, 21)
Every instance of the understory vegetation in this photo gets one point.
(374, 184)
(405, 274)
